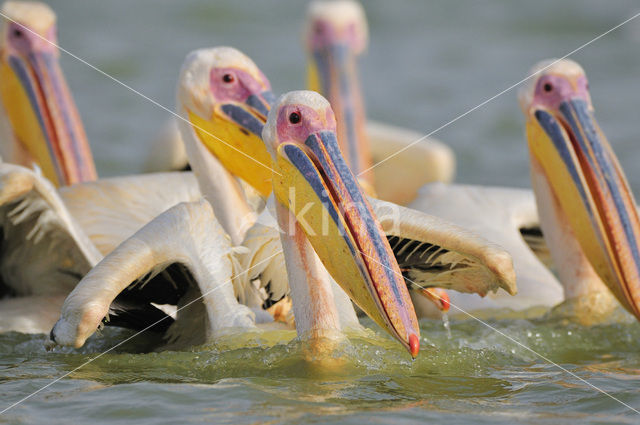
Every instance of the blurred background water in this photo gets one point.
(427, 63)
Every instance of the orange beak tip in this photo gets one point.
(414, 345)
(439, 297)
(444, 300)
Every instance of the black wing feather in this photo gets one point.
(133, 308)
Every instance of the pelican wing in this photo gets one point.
(44, 251)
(500, 215)
(266, 281)
(182, 259)
(110, 210)
(434, 253)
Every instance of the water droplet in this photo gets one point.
(445, 323)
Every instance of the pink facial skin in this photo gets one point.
(324, 35)
(21, 41)
(552, 90)
(310, 122)
(231, 84)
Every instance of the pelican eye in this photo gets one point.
(294, 118)
(547, 87)
(17, 32)
(228, 78)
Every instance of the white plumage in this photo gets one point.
(112, 209)
(509, 218)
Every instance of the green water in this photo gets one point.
(427, 63)
(477, 375)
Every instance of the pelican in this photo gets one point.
(223, 99)
(42, 128)
(328, 230)
(39, 124)
(335, 34)
(581, 204)
(45, 126)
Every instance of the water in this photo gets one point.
(477, 375)
(427, 63)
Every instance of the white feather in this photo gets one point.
(496, 214)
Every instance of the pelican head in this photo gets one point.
(46, 127)
(336, 32)
(589, 187)
(226, 98)
(316, 185)
(335, 24)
